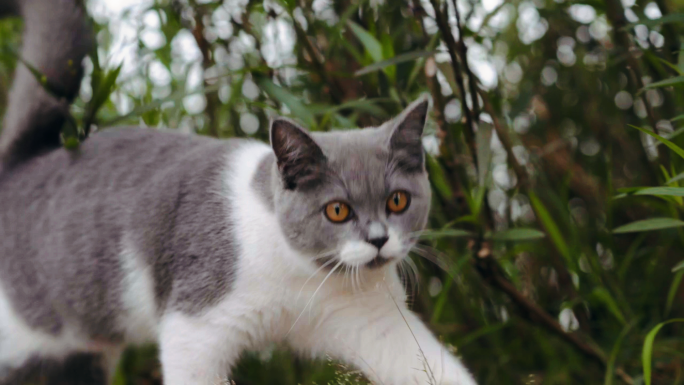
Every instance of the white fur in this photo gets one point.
(394, 247)
(279, 296)
(19, 341)
(375, 230)
(357, 253)
(139, 320)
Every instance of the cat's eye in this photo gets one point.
(398, 202)
(337, 212)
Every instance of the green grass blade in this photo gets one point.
(647, 351)
(649, 225)
(666, 142)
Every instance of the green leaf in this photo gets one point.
(603, 295)
(437, 177)
(678, 266)
(662, 191)
(673, 66)
(649, 225)
(405, 57)
(71, 143)
(670, 18)
(666, 142)
(610, 366)
(483, 139)
(675, 178)
(674, 287)
(370, 43)
(292, 102)
(665, 83)
(521, 234)
(445, 233)
(680, 117)
(647, 351)
(551, 228)
(155, 104)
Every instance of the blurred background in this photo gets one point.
(556, 253)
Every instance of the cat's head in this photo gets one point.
(356, 197)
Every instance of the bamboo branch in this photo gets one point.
(487, 266)
(464, 60)
(443, 24)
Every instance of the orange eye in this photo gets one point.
(398, 202)
(337, 212)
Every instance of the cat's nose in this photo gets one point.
(378, 242)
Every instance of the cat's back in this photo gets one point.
(67, 216)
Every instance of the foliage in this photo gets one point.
(559, 223)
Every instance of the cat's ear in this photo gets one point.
(300, 160)
(406, 133)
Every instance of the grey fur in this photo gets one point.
(361, 167)
(64, 216)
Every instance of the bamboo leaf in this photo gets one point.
(675, 178)
(521, 234)
(671, 18)
(405, 57)
(370, 43)
(284, 96)
(649, 225)
(610, 367)
(551, 228)
(666, 142)
(678, 266)
(647, 351)
(602, 295)
(674, 287)
(665, 83)
(445, 233)
(662, 191)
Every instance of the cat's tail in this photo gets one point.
(55, 40)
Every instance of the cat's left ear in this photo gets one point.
(406, 133)
(301, 161)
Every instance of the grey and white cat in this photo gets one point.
(206, 247)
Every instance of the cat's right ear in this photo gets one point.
(301, 161)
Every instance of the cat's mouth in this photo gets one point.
(377, 262)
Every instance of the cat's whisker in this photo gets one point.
(432, 256)
(410, 275)
(311, 276)
(312, 298)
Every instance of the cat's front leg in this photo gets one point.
(389, 346)
(195, 351)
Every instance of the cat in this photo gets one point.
(206, 247)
